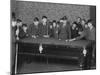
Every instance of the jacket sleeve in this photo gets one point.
(29, 30)
(68, 30)
(22, 34)
(81, 36)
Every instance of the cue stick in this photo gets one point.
(47, 28)
(16, 58)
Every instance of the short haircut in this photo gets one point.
(61, 18)
(24, 25)
(36, 19)
(54, 21)
(65, 18)
(58, 22)
(18, 20)
(89, 21)
(13, 15)
(83, 20)
(44, 17)
(79, 17)
(74, 23)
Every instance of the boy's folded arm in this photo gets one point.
(81, 36)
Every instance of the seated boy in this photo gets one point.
(23, 32)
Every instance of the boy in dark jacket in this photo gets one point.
(64, 33)
(33, 29)
(44, 27)
(23, 32)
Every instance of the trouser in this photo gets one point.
(91, 54)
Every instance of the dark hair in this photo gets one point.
(89, 21)
(83, 20)
(58, 22)
(36, 19)
(18, 20)
(13, 15)
(74, 23)
(61, 18)
(54, 21)
(65, 18)
(44, 17)
(24, 25)
(78, 17)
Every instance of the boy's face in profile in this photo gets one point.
(64, 21)
(89, 24)
(74, 26)
(83, 22)
(24, 28)
(78, 20)
(54, 24)
(61, 21)
(13, 23)
(44, 20)
(19, 24)
(36, 23)
(86, 26)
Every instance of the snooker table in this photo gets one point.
(79, 50)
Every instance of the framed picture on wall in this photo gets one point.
(52, 37)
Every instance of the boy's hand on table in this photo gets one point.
(46, 36)
(72, 39)
(33, 36)
(66, 40)
(17, 38)
(59, 39)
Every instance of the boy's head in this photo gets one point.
(74, 25)
(24, 26)
(58, 23)
(89, 23)
(83, 21)
(13, 20)
(19, 22)
(44, 19)
(54, 23)
(78, 19)
(36, 21)
(65, 19)
(13, 15)
(86, 25)
(50, 25)
(61, 20)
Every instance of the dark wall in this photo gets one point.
(93, 14)
(28, 10)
